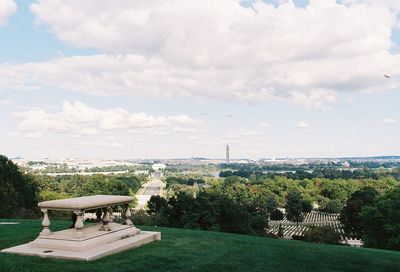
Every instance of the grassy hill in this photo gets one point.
(189, 250)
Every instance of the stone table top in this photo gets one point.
(85, 202)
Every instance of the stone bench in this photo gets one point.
(79, 205)
(86, 242)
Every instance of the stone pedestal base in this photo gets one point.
(95, 243)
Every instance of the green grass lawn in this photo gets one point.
(189, 250)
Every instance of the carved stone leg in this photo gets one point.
(98, 215)
(79, 224)
(46, 224)
(105, 220)
(127, 216)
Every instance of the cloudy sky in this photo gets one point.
(182, 78)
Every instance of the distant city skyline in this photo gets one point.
(181, 79)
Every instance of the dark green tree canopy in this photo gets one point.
(322, 234)
(276, 215)
(100, 185)
(350, 215)
(17, 190)
(156, 204)
(294, 207)
(380, 221)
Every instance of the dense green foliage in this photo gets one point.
(331, 170)
(276, 215)
(17, 191)
(172, 180)
(209, 211)
(79, 185)
(381, 221)
(333, 206)
(322, 234)
(189, 250)
(294, 207)
(328, 192)
(350, 216)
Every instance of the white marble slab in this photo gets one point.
(85, 202)
(140, 239)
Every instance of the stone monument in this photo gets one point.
(88, 242)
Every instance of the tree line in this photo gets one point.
(21, 191)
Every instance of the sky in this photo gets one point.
(132, 79)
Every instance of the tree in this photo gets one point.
(204, 212)
(334, 206)
(322, 234)
(307, 206)
(336, 189)
(380, 221)
(294, 207)
(101, 185)
(156, 204)
(133, 182)
(233, 217)
(350, 215)
(276, 215)
(178, 209)
(17, 190)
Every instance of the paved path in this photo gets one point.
(153, 187)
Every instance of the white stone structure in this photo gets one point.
(86, 242)
(158, 166)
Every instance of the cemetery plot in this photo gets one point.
(310, 219)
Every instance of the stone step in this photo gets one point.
(95, 240)
(139, 239)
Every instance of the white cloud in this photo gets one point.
(217, 49)
(193, 138)
(251, 133)
(188, 129)
(80, 119)
(316, 99)
(264, 124)
(6, 102)
(7, 8)
(302, 125)
(388, 121)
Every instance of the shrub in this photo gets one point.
(276, 215)
(307, 206)
(298, 237)
(141, 217)
(322, 234)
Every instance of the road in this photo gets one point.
(153, 187)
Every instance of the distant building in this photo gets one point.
(158, 166)
(227, 153)
(346, 164)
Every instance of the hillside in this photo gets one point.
(189, 250)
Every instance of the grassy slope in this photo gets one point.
(188, 250)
